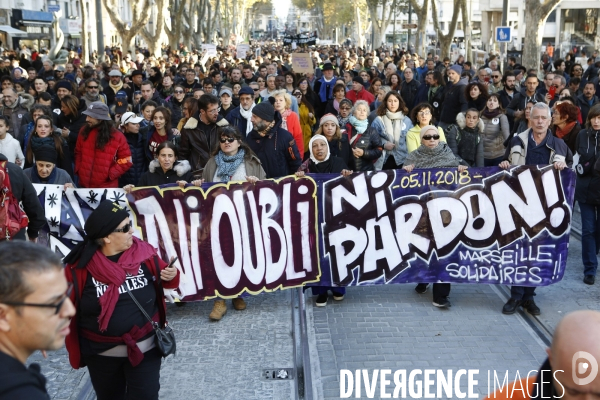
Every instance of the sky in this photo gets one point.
(281, 7)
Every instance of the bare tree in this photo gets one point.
(466, 30)
(380, 24)
(85, 54)
(140, 10)
(176, 9)
(445, 40)
(153, 39)
(536, 13)
(422, 11)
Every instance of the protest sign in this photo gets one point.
(210, 49)
(302, 63)
(482, 225)
(242, 50)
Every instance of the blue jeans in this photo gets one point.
(317, 290)
(522, 292)
(590, 237)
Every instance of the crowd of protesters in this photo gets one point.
(131, 120)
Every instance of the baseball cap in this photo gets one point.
(130, 118)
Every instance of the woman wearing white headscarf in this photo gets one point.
(322, 162)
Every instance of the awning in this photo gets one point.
(12, 31)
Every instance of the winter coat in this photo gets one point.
(61, 176)
(138, 145)
(101, 168)
(293, 127)
(306, 124)
(519, 102)
(277, 150)
(585, 106)
(570, 138)
(73, 123)
(235, 119)
(147, 132)
(198, 140)
(252, 165)
(370, 143)
(471, 150)
(155, 176)
(495, 132)
(18, 116)
(478, 104)
(10, 147)
(516, 153)
(454, 101)
(176, 110)
(321, 103)
(25, 193)
(341, 148)
(362, 95)
(587, 189)
(408, 91)
(400, 150)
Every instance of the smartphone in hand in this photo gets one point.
(552, 92)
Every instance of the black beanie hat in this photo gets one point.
(264, 111)
(45, 153)
(358, 79)
(65, 85)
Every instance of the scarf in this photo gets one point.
(90, 98)
(490, 113)
(343, 121)
(227, 165)
(114, 274)
(324, 92)
(284, 116)
(393, 125)
(360, 126)
(116, 88)
(439, 157)
(247, 115)
(336, 105)
(37, 142)
(562, 132)
(310, 143)
(35, 177)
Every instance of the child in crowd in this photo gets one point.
(9, 146)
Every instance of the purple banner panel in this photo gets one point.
(479, 226)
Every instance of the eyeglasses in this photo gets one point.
(56, 306)
(424, 112)
(178, 91)
(298, 94)
(495, 76)
(92, 87)
(227, 140)
(345, 108)
(429, 137)
(124, 229)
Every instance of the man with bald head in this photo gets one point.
(571, 371)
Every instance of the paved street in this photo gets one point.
(374, 327)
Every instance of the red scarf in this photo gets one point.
(560, 133)
(114, 274)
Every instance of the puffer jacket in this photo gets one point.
(587, 189)
(277, 150)
(470, 151)
(370, 142)
(494, 133)
(138, 147)
(73, 123)
(198, 140)
(155, 176)
(101, 168)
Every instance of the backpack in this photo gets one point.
(12, 217)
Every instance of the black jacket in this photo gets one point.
(587, 189)
(156, 176)
(176, 110)
(409, 92)
(138, 146)
(341, 148)
(454, 101)
(235, 119)
(24, 192)
(198, 140)
(20, 382)
(370, 142)
(519, 102)
(73, 123)
(277, 150)
(584, 106)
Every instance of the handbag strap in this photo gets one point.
(139, 306)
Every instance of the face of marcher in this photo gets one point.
(541, 121)
(228, 145)
(319, 149)
(44, 168)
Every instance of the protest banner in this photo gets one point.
(210, 49)
(302, 63)
(483, 225)
(242, 50)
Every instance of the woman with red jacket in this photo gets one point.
(110, 334)
(102, 154)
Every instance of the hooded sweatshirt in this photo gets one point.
(11, 148)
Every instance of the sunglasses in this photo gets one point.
(92, 87)
(495, 76)
(256, 90)
(178, 91)
(298, 94)
(124, 229)
(227, 140)
(429, 137)
(56, 306)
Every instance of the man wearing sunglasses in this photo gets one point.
(496, 83)
(35, 311)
